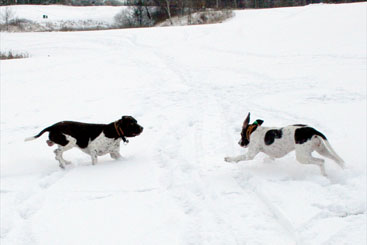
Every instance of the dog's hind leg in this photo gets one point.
(303, 155)
(323, 150)
(61, 149)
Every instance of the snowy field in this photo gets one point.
(191, 88)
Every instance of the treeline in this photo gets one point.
(179, 4)
(234, 4)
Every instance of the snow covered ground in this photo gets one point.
(190, 87)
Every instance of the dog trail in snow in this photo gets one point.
(196, 201)
(189, 140)
(29, 202)
(262, 197)
(277, 213)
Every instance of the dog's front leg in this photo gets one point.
(251, 153)
(115, 152)
(115, 155)
(235, 159)
(93, 155)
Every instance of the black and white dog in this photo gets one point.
(93, 139)
(277, 142)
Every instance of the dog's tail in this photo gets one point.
(331, 153)
(38, 135)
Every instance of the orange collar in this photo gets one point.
(250, 129)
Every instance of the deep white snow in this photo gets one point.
(191, 88)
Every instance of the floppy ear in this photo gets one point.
(126, 117)
(258, 122)
(247, 120)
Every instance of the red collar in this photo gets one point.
(120, 132)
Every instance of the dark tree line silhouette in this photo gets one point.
(179, 4)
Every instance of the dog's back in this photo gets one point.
(276, 142)
(82, 132)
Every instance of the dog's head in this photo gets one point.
(129, 126)
(247, 130)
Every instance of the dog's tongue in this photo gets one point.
(50, 143)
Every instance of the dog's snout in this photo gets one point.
(242, 143)
(139, 130)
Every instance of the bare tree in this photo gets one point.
(168, 9)
(166, 5)
(124, 19)
(7, 15)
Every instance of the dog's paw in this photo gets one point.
(229, 159)
(268, 160)
(116, 156)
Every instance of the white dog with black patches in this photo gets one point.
(93, 139)
(277, 142)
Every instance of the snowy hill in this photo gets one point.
(64, 13)
(60, 17)
(191, 88)
(72, 18)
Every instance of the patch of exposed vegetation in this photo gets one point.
(13, 55)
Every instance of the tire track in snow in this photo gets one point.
(195, 198)
(255, 193)
(44, 184)
(203, 147)
(278, 215)
(186, 184)
(191, 191)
